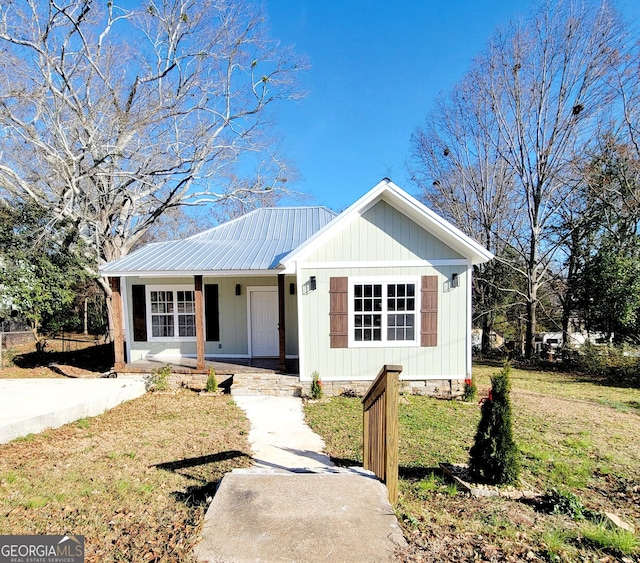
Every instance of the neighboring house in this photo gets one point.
(552, 341)
(496, 339)
(387, 281)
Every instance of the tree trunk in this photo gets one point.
(104, 285)
(86, 316)
(530, 330)
(486, 335)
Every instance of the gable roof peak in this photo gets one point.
(390, 193)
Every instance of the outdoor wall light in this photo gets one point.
(238, 289)
(312, 283)
(454, 280)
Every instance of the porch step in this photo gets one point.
(275, 384)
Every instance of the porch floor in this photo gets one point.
(222, 366)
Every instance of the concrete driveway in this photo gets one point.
(29, 406)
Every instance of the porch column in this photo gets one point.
(199, 323)
(282, 363)
(118, 332)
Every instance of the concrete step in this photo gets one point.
(273, 384)
(312, 517)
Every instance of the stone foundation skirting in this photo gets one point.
(193, 381)
(268, 384)
(445, 388)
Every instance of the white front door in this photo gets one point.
(264, 323)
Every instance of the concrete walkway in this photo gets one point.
(279, 436)
(295, 505)
(29, 406)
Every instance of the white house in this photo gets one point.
(387, 281)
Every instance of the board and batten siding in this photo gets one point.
(384, 242)
(233, 318)
(383, 233)
(446, 360)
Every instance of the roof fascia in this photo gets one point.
(188, 273)
(407, 204)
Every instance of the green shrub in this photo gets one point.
(212, 382)
(562, 502)
(619, 364)
(159, 380)
(316, 386)
(494, 456)
(470, 392)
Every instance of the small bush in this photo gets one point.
(494, 456)
(562, 502)
(159, 380)
(8, 355)
(470, 392)
(212, 382)
(316, 386)
(618, 364)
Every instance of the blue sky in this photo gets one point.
(376, 69)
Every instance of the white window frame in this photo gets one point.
(174, 289)
(384, 281)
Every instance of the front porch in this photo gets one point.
(204, 318)
(238, 376)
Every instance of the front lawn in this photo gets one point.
(134, 481)
(575, 436)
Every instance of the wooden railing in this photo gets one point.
(380, 428)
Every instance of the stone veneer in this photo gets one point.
(446, 388)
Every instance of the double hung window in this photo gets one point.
(173, 313)
(383, 312)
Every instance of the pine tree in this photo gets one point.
(494, 457)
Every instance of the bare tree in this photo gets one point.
(546, 85)
(111, 117)
(462, 177)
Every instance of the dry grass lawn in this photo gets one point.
(574, 435)
(134, 481)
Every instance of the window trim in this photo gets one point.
(174, 289)
(385, 281)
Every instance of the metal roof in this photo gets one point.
(256, 241)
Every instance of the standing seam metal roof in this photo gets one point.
(256, 241)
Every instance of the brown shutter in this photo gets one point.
(338, 312)
(211, 313)
(138, 300)
(429, 311)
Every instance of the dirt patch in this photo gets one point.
(87, 358)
